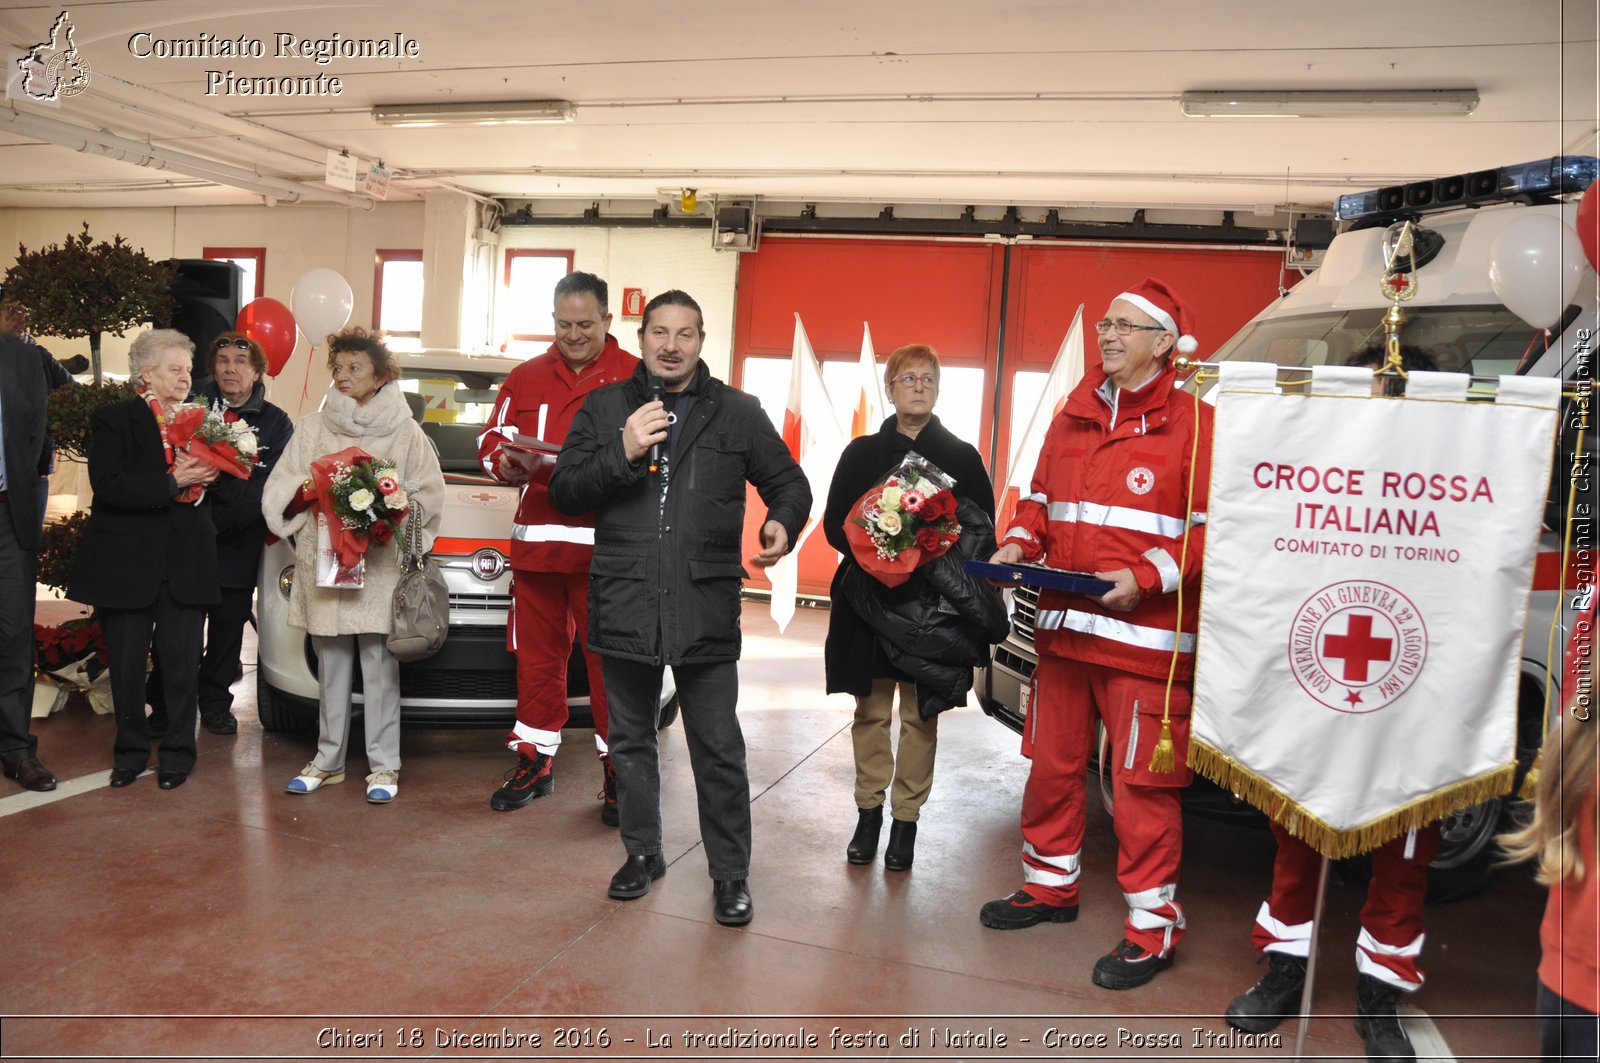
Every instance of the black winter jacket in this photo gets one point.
(852, 657)
(940, 623)
(664, 585)
(241, 529)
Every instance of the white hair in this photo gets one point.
(148, 347)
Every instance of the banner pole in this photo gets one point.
(1311, 962)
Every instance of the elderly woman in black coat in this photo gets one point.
(858, 659)
(148, 558)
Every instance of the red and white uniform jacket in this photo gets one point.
(1112, 490)
(540, 398)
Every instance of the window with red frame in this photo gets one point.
(397, 297)
(253, 260)
(531, 278)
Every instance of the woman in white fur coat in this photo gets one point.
(364, 408)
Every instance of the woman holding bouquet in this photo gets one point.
(148, 558)
(238, 367)
(855, 660)
(363, 409)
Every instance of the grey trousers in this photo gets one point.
(709, 696)
(380, 694)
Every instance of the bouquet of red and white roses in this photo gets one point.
(906, 519)
(227, 446)
(360, 501)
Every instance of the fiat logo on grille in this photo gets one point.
(488, 564)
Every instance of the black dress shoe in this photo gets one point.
(732, 907)
(864, 843)
(121, 777)
(31, 774)
(171, 780)
(219, 723)
(633, 878)
(902, 846)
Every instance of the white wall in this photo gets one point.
(656, 260)
(303, 237)
(297, 238)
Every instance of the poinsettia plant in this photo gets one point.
(62, 647)
(903, 521)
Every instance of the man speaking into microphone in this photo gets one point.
(665, 580)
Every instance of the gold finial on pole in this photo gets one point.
(1398, 285)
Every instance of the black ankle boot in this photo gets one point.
(864, 844)
(902, 846)
(1377, 1022)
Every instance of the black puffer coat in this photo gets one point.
(939, 624)
(664, 584)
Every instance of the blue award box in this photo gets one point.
(1041, 576)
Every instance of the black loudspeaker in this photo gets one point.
(208, 296)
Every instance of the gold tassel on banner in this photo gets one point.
(1161, 756)
(1530, 781)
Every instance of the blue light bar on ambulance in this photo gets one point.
(1543, 177)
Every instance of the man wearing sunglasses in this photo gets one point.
(1119, 490)
(236, 365)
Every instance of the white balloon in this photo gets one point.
(1535, 266)
(321, 301)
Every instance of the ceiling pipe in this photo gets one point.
(139, 153)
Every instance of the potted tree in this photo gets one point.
(81, 288)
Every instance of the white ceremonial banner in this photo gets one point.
(1366, 578)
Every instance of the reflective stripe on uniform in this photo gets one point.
(1057, 870)
(1170, 575)
(1106, 627)
(545, 742)
(1117, 517)
(552, 533)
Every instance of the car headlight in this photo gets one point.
(286, 582)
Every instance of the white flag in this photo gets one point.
(1367, 569)
(869, 411)
(811, 430)
(1065, 372)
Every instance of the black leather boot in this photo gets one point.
(902, 846)
(1378, 1024)
(864, 843)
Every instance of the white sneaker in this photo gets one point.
(382, 786)
(312, 778)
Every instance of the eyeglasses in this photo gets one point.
(1123, 328)
(238, 341)
(911, 380)
(15, 311)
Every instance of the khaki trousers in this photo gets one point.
(877, 764)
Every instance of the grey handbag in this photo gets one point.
(421, 600)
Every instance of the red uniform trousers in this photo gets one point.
(547, 609)
(1391, 921)
(1068, 695)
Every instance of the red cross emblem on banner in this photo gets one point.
(1358, 648)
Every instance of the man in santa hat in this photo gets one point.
(1119, 490)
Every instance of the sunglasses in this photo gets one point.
(240, 342)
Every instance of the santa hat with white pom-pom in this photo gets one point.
(1169, 310)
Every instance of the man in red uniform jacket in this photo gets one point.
(1119, 490)
(550, 551)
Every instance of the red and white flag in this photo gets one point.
(1065, 372)
(1367, 569)
(869, 411)
(812, 431)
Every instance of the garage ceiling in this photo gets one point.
(1067, 104)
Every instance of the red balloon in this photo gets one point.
(270, 324)
(1589, 224)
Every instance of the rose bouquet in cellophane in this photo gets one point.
(906, 519)
(360, 501)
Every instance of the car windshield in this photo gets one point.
(1483, 340)
(453, 406)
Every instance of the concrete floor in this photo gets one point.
(228, 918)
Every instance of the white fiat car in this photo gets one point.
(472, 681)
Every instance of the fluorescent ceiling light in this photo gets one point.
(509, 112)
(1355, 103)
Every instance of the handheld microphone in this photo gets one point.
(657, 387)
